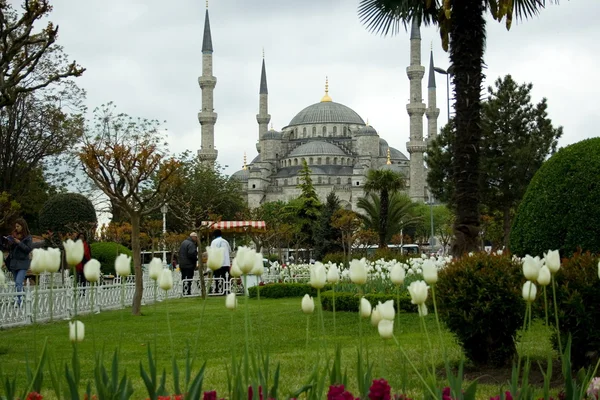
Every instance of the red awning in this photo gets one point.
(236, 226)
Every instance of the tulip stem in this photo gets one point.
(430, 346)
(122, 312)
(546, 307)
(520, 352)
(360, 333)
(199, 326)
(556, 317)
(155, 317)
(307, 337)
(414, 368)
(334, 327)
(92, 302)
(247, 329)
(35, 308)
(398, 308)
(169, 325)
(437, 321)
(51, 297)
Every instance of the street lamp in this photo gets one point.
(431, 200)
(448, 72)
(164, 210)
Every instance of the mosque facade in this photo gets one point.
(334, 140)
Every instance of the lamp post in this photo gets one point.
(447, 72)
(431, 213)
(164, 210)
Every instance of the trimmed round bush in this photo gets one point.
(106, 253)
(67, 212)
(479, 298)
(560, 209)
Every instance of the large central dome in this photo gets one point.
(327, 112)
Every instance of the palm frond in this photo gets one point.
(387, 16)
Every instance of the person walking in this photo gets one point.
(21, 245)
(218, 243)
(188, 260)
(87, 256)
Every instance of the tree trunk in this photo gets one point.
(384, 201)
(136, 308)
(467, 44)
(507, 225)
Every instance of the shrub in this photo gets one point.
(479, 299)
(106, 253)
(67, 212)
(279, 290)
(560, 209)
(346, 301)
(578, 312)
(335, 258)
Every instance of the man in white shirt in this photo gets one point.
(219, 242)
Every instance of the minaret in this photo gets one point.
(207, 116)
(263, 116)
(415, 108)
(432, 111)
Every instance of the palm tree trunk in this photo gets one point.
(466, 55)
(383, 217)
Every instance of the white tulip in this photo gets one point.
(418, 292)
(235, 270)
(430, 272)
(386, 328)
(91, 270)
(259, 267)
(552, 258)
(216, 255)
(365, 308)
(422, 308)
(358, 271)
(231, 301)
(531, 267)
(386, 310)
(76, 331)
(318, 276)
(53, 259)
(165, 281)
(38, 261)
(375, 316)
(245, 258)
(544, 276)
(308, 304)
(155, 268)
(333, 275)
(74, 251)
(529, 291)
(123, 265)
(397, 274)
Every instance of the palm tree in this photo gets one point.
(384, 182)
(462, 28)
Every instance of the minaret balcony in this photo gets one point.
(207, 82)
(416, 146)
(432, 113)
(207, 117)
(263, 119)
(208, 154)
(415, 109)
(415, 72)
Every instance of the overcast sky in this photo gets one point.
(145, 55)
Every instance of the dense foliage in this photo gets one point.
(67, 212)
(280, 290)
(346, 301)
(560, 209)
(327, 237)
(106, 253)
(479, 299)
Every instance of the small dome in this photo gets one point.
(397, 155)
(241, 175)
(367, 130)
(315, 148)
(272, 134)
(327, 112)
(383, 143)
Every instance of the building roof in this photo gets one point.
(366, 130)
(431, 82)
(326, 112)
(263, 79)
(317, 147)
(241, 175)
(272, 134)
(207, 39)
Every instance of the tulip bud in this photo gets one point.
(418, 292)
(231, 301)
(358, 271)
(216, 255)
(375, 316)
(308, 304)
(317, 276)
(552, 258)
(155, 268)
(531, 268)
(544, 276)
(165, 281)
(76, 331)
(91, 270)
(422, 308)
(333, 275)
(123, 265)
(245, 258)
(365, 308)
(259, 267)
(38, 261)
(235, 270)
(529, 291)
(430, 272)
(74, 251)
(397, 274)
(53, 259)
(386, 328)
(386, 310)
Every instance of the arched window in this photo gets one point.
(345, 131)
(349, 181)
(335, 130)
(319, 161)
(319, 180)
(297, 181)
(303, 132)
(329, 180)
(295, 161)
(324, 130)
(310, 161)
(285, 182)
(327, 161)
(314, 131)
(339, 181)
(335, 161)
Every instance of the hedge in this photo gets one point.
(106, 253)
(345, 301)
(67, 212)
(280, 290)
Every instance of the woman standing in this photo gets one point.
(20, 243)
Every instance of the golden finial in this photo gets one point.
(432, 45)
(389, 161)
(244, 167)
(207, 4)
(326, 98)
(263, 53)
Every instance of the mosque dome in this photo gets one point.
(397, 154)
(241, 175)
(272, 134)
(315, 148)
(327, 112)
(366, 130)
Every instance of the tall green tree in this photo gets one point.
(306, 208)
(384, 183)
(328, 239)
(517, 137)
(463, 31)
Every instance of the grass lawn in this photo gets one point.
(278, 325)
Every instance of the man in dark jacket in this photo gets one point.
(188, 260)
